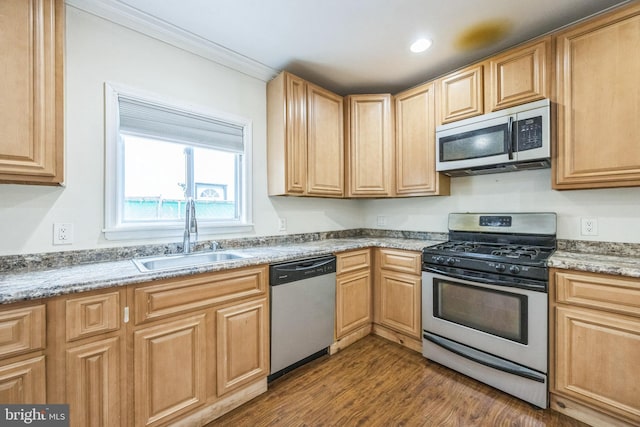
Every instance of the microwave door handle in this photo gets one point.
(510, 138)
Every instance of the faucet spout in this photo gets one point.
(190, 235)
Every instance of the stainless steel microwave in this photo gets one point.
(512, 139)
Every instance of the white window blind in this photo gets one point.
(143, 119)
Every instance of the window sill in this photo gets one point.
(139, 232)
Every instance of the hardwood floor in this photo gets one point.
(375, 382)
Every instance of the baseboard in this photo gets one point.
(222, 406)
(584, 413)
(349, 339)
(391, 335)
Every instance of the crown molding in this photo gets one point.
(134, 19)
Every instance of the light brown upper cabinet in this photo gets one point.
(519, 75)
(511, 78)
(31, 107)
(461, 94)
(369, 142)
(305, 139)
(598, 97)
(415, 148)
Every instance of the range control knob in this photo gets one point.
(500, 267)
(440, 260)
(451, 261)
(514, 269)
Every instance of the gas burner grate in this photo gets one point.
(517, 252)
(458, 246)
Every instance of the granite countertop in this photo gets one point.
(92, 270)
(622, 265)
(29, 285)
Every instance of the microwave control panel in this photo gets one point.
(529, 133)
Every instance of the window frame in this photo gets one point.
(114, 227)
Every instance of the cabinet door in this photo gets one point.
(353, 302)
(519, 75)
(461, 94)
(325, 143)
(596, 360)
(369, 145)
(23, 382)
(242, 343)
(31, 107)
(415, 144)
(286, 135)
(599, 102)
(170, 366)
(296, 135)
(399, 302)
(94, 383)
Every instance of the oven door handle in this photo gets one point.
(495, 280)
(484, 358)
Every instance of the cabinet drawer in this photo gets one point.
(92, 315)
(353, 260)
(399, 260)
(22, 330)
(613, 293)
(178, 295)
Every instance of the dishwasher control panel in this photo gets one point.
(292, 271)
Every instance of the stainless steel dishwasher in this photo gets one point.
(303, 301)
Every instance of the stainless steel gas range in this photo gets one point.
(484, 300)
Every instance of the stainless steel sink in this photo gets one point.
(171, 262)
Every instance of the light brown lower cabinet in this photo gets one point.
(23, 381)
(242, 343)
(170, 365)
(93, 382)
(595, 347)
(176, 351)
(397, 295)
(353, 291)
(86, 365)
(22, 357)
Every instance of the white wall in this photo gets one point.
(99, 51)
(617, 210)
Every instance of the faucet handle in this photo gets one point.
(215, 245)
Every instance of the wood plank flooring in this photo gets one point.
(375, 382)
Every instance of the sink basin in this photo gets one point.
(170, 262)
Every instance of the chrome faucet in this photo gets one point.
(190, 226)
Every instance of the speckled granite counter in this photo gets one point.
(29, 285)
(595, 263)
(598, 257)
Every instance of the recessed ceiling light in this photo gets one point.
(420, 45)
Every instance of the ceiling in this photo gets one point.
(348, 46)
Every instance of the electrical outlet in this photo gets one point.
(62, 233)
(282, 224)
(589, 226)
(381, 220)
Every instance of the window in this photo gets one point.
(160, 153)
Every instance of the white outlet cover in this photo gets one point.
(62, 233)
(589, 226)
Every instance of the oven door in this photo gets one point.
(507, 322)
